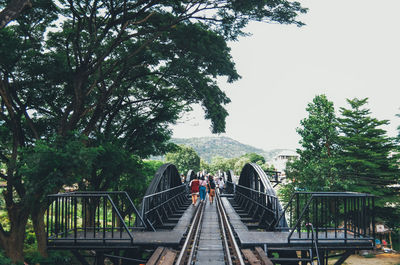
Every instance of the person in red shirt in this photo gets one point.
(194, 189)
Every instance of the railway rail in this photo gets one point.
(189, 252)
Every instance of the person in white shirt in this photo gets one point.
(221, 184)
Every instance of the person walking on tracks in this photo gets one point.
(194, 189)
(203, 185)
(211, 188)
(221, 185)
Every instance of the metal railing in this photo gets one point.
(91, 216)
(158, 206)
(260, 205)
(229, 187)
(343, 216)
(314, 243)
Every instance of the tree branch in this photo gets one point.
(12, 11)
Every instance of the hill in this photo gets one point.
(208, 147)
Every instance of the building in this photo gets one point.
(279, 161)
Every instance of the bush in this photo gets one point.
(4, 260)
(55, 258)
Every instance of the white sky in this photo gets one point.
(347, 49)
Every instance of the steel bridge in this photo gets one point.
(108, 228)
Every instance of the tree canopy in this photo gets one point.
(347, 153)
(315, 169)
(107, 76)
(184, 158)
(365, 159)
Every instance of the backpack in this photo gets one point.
(211, 185)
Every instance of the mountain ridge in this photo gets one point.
(208, 147)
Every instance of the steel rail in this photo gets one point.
(226, 226)
(193, 229)
(197, 235)
(226, 246)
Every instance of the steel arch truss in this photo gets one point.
(190, 176)
(255, 195)
(165, 197)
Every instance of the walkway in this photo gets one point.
(210, 250)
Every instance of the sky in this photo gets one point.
(347, 49)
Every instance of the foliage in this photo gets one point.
(184, 158)
(4, 260)
(204, 165)
(210, 147)
(350, 153)
(45, 165)
(117, 73)
(240, 164)
(136, 183)
(315, 170)
(221, 163)
(364, 158)
(55, 257)
(254, 158)
(267, 167)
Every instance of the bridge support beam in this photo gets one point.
(344, 257)
(99, 259)
(80, 257)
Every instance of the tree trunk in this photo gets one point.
(13, 241)
(12, 10)
(40, 232)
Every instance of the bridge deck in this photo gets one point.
(250, 238)
(173, 238)
(210, 250)
(107, 240)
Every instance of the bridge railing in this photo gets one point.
(260, 205)
(158, 206)
(343, 216)
(91, 216)
(229, 187)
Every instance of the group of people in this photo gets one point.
(204, 184)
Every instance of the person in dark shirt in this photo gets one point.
(211, 188)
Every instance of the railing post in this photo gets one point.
(75, 218)
(56, 219)
(104, 219)
(47, 219)
(345, 219)
(373, 219)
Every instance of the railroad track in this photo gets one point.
(190, 249)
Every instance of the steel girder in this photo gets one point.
(164, 194)
(254, 178)
(190, 176)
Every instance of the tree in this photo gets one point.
(115, 72)
(255, 158)
(184, 158)
(12, 11)
(315, 170)
(222, 163)
(240, 163)
(204, 165)
(365, 159)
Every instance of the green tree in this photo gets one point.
(222, 163)
(184, 158)
(204, 165)
(255, 158)
(315, 170)
(240, 164)
(136, 187)
(365, 159)
(12, 11)
(117, 73)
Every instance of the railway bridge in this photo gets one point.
(247, 224)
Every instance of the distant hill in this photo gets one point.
(208, 147)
